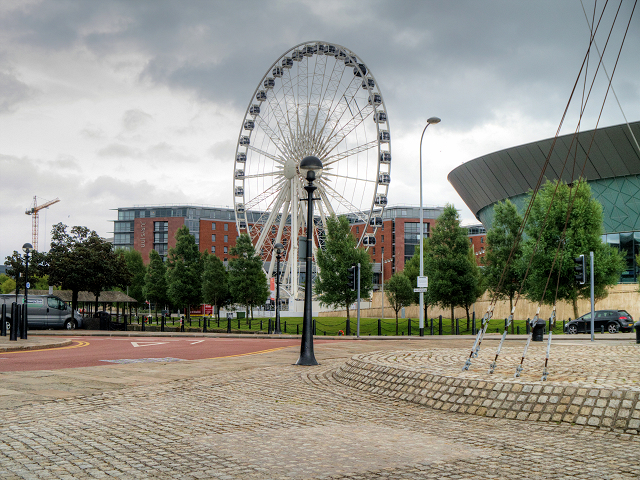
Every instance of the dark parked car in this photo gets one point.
(612, 320)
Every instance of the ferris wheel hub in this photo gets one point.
(290, 169)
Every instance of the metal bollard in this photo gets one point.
(269, 326)
(440, 325)
(518, 329)
(409, 327)
(314, 327)
(298, 329)
(457, 326)
(162, 323)
(3, 318)
(285, 327)
(25, 322)
(204, 325)
(347, 327)
(473, 324)
(229, 324)
(379, 327)
(432, 326)
(13, 335)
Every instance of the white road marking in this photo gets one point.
(146, 344)
(197, 341)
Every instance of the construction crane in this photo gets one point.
(34, 211)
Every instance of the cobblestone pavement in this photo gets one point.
(274, 420)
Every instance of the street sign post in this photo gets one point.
(419, 290)
(423, 282)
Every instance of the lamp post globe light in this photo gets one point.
(430, 121)
(310, 168)
(27, 248)
(278, 248)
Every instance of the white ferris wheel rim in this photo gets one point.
(329, 130)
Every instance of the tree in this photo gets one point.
(247, 280)
(399, 292)
(38, 268)
(138, 271)
(155, 281)
(184, 271)
(7, 284)
(215, 283)
(583, 235)
(108, 268)
(453, 278)
(501, 273)
(340, 253)
(477, 285)
(81, 260)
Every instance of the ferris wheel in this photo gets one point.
(317, 99)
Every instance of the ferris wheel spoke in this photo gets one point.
(334, 140)
(280, 116)
(325, 200)
(336, 157)
(271, 135)
(359, 179)
(261, 175)
(274, 211)
(340, 107)
(265, 194)
(266, 154)
(350, 207)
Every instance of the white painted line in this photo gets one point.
(146, 344)
(197, 341)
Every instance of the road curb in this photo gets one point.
(40, 346)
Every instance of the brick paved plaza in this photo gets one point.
(260, 417)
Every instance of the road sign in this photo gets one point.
(28, 284)
(419, 290)
(423, 282)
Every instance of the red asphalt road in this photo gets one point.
(94, 351)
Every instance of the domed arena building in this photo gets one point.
(612, 170)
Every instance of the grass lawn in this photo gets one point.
(368, 326)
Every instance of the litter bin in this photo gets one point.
(538, 331)
(637, 325)
(105, 319)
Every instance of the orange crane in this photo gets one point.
(34, 211)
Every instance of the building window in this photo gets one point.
(213, 237)
(226, 249)
(226, 227)
(213, 249)
(357, 229)
(226, 238)
(374, 251)
(382, 238)
(213, 225)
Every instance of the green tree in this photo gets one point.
(340, 253)
(184, 271)
(38, 268)
(7, 284)
(501, 273)
(81, 260)
(453, 278)
(108, 267)
(477, 285)
(247, 280)
(215, 283)
(138, 271)
(399, 293)
(155, 281)
(583, 235)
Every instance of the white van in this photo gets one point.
(44, 311)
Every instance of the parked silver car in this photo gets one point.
(44, 311)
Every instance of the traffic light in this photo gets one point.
(580, 270)
(351, 277)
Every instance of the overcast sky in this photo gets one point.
(120, 103)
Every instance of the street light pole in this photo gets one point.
(432, 120)
(310, 168)
(27, 248)
(279, 248)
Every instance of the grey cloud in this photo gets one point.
(13, 92)
(134, 119)
(159, 152)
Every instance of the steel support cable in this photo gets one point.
(485, 321)
(547, 161)
(570, 206)
(607, 74)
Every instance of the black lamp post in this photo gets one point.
(278, 246)
(27, 248)
(310, 168)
